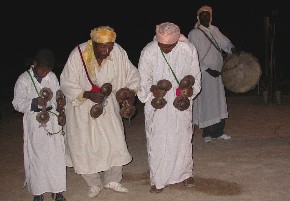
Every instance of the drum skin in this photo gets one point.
(241, 72)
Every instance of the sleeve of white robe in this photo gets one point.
(223, 41)
(70, 78)
(22, 101)
(132, 74)
(145, 69)
(195, 71)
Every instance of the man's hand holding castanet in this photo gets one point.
(96, 97)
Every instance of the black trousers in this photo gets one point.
(215, 130)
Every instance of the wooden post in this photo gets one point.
(266, 68)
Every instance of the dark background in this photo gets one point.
(60, 26)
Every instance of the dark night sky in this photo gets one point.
(61, 27)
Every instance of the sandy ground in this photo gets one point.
(252, 166)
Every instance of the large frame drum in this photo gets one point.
(241, 72)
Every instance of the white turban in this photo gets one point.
(167, 33)
(203, 9)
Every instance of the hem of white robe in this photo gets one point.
(62, 189)
(210, 122)
(118, 163)
(172, 182)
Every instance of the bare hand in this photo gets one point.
(96, 97)
(213, 73)
(187, 92)
(61, 102)
(157, 93)
(129, 102)
(41, 101)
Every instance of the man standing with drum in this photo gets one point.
(210, 108)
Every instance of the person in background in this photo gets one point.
(169, 130)
(44, 149)
(210, 107)
(96, 145)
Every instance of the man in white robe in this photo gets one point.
(168, 130)
(44, 154)
(97, 144)
(210, 108)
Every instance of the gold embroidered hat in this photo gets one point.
(103, 34)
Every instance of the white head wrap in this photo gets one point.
(202, 9)
(167, 33)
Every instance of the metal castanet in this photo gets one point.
(42, 117)
(164, 84)
(61, 118)
(186, 82)
(46, 93)
(60, 98)
(124, 94)
(106, 89)
(126, 98)
(127, 112)
(158, 102)
(157, 92)
(181, 103)
(98, 108)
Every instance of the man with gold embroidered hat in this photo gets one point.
(210, 108)
(168, 130)
(97, 144)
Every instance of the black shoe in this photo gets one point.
(38, 198)
(153, 189)
(58, 197)
(189, 182)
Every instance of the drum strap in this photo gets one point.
(206, 53)
(214, 43)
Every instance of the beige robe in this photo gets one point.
(95, 145)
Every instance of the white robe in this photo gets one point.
(210, 105)
(168, 130)
(95, 145)
(44, 155)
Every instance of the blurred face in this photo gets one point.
(166, 48)
(204, 18)
(41, 71)
(102, 50)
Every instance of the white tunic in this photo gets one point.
(95, 145)
(168, 130)
(44, 158)
(210, 105)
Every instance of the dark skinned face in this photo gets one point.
(166, 48)
(204, 18)
(41, 71)
(102, 50)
